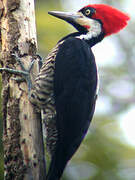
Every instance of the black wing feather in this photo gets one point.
(75, 83)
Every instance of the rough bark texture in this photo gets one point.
(22, 138)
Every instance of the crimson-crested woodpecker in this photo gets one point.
(72, 77)
(66, 87)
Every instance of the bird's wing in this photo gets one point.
(75, 82)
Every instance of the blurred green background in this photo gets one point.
(106, 153)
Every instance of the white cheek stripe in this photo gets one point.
(94, 30)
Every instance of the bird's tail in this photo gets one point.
(60, 158)
(57, 165)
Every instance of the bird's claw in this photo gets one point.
(19, 79)
(25, 73)
(17, 58)
(15, 55)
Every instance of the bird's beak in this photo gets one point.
(67, 16)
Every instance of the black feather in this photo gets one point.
(75, 83)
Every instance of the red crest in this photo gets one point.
(113, 20)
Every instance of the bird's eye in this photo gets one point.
(87, 12)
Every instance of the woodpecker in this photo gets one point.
(66, 87)
(75, 78)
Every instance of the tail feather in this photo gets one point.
(61, 156)
(57, 165)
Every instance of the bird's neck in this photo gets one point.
(90, 40)
(94, 40)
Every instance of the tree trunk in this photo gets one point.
(22, 133)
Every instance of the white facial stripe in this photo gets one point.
(83, 20)
(93, 31)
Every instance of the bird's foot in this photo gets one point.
(24, 73)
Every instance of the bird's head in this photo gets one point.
(94, 20)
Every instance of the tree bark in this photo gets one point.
(22, 131)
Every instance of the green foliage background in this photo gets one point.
(103, 154)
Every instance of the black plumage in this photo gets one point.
(65, 89)
(75, 83)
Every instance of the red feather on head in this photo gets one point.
(113, 20)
